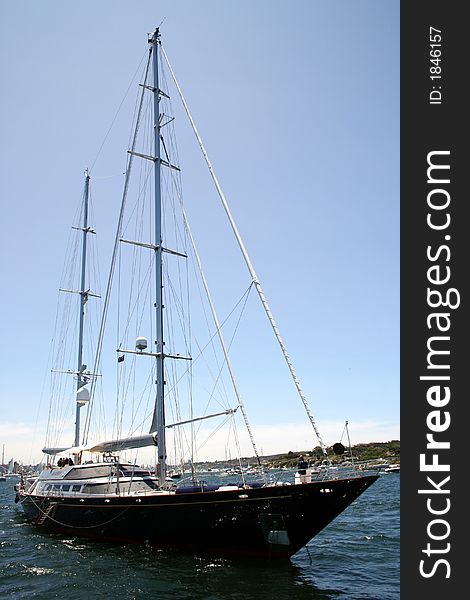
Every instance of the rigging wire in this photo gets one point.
(230, 344)
(110, 279)
(117, 113)
(175, 180)
(216, 320)
(113, 260)
(250, 267)
(203, 348)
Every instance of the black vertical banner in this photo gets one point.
(435, 333)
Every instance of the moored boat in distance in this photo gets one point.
(89, 489)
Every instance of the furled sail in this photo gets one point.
(138, 441)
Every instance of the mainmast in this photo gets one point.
(158, 421)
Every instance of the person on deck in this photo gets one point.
(302, 467)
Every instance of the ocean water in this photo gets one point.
(355, 558)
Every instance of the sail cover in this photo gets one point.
(139, 441)
(53, 451)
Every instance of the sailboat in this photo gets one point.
(2, 474)
(89, 488)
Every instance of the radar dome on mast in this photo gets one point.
(141, 343)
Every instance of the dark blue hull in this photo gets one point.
(267, 522)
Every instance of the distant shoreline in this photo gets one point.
(371, 451)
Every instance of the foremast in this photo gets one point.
(81, 374)
(82, 395)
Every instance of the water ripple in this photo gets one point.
(355, 558)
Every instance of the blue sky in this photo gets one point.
(298, 105)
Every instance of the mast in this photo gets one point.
(159, 411)
(81, 380)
